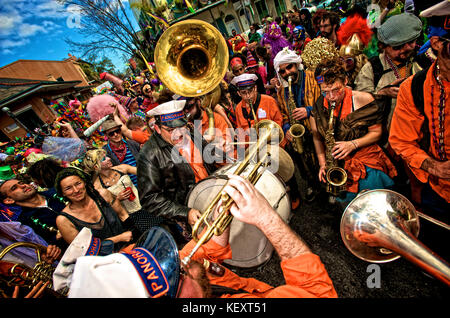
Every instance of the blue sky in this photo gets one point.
(35, 30)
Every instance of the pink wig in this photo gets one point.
(98, 107)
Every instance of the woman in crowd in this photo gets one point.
(113, 179)
(357, 128)
(107, 219)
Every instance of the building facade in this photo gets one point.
(65, 70)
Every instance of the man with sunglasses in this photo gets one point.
(171, 162)
(383, 74)
(288, 64)
(420, 129)
(120, 151)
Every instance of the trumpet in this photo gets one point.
(268, 132)
(40, 277)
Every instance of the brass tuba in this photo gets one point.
(297, 130)
(381, 225)
(268, 132)
(336, 176)
(191, 58)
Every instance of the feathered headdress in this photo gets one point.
(354, 35)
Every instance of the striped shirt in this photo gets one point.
(130, 160)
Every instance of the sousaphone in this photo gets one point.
(191, 58)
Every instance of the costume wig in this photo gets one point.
(354, 24)
(274, 36)
(99, 106)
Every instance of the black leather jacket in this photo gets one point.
(164, 183)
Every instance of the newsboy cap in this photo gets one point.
(400, 29)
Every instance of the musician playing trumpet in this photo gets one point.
(357, 119)
(262, 106)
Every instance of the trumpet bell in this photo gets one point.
(191, 58)
(272, 129)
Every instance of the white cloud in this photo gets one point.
(8, 44)
(27, 30)
(50, 9)
(7, 52)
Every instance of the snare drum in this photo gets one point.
(249, 245)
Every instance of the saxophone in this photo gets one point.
(336, 176)
(297, 130)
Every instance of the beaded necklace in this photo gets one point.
(439, 142)
(394, 67)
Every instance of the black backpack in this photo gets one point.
(417, 94)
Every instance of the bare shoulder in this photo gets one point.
(362, 98)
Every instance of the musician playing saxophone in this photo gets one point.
(357, 129)
(292, 84)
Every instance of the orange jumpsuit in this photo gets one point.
(305, 275)
(267, 109)
(406, 131)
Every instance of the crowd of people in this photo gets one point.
(105, 186)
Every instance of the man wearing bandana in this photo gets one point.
(420, 128)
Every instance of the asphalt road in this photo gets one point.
(318, 224)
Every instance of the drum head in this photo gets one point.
(281, 162)
(249, 246)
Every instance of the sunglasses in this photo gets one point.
(283, 70)
(168, 129)
(112, 133)
(399, 47)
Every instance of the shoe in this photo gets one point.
(310, 195)
(332, 199)
(295, 203)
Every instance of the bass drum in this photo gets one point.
(250, 248)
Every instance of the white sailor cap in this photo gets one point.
(83, 244)
(170, 114)
(244, 81)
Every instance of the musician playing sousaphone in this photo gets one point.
(170, 164)
(350, 142)
(210, 124)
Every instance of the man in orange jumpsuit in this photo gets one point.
(420, 127)
(153, 268)
(264, 106)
